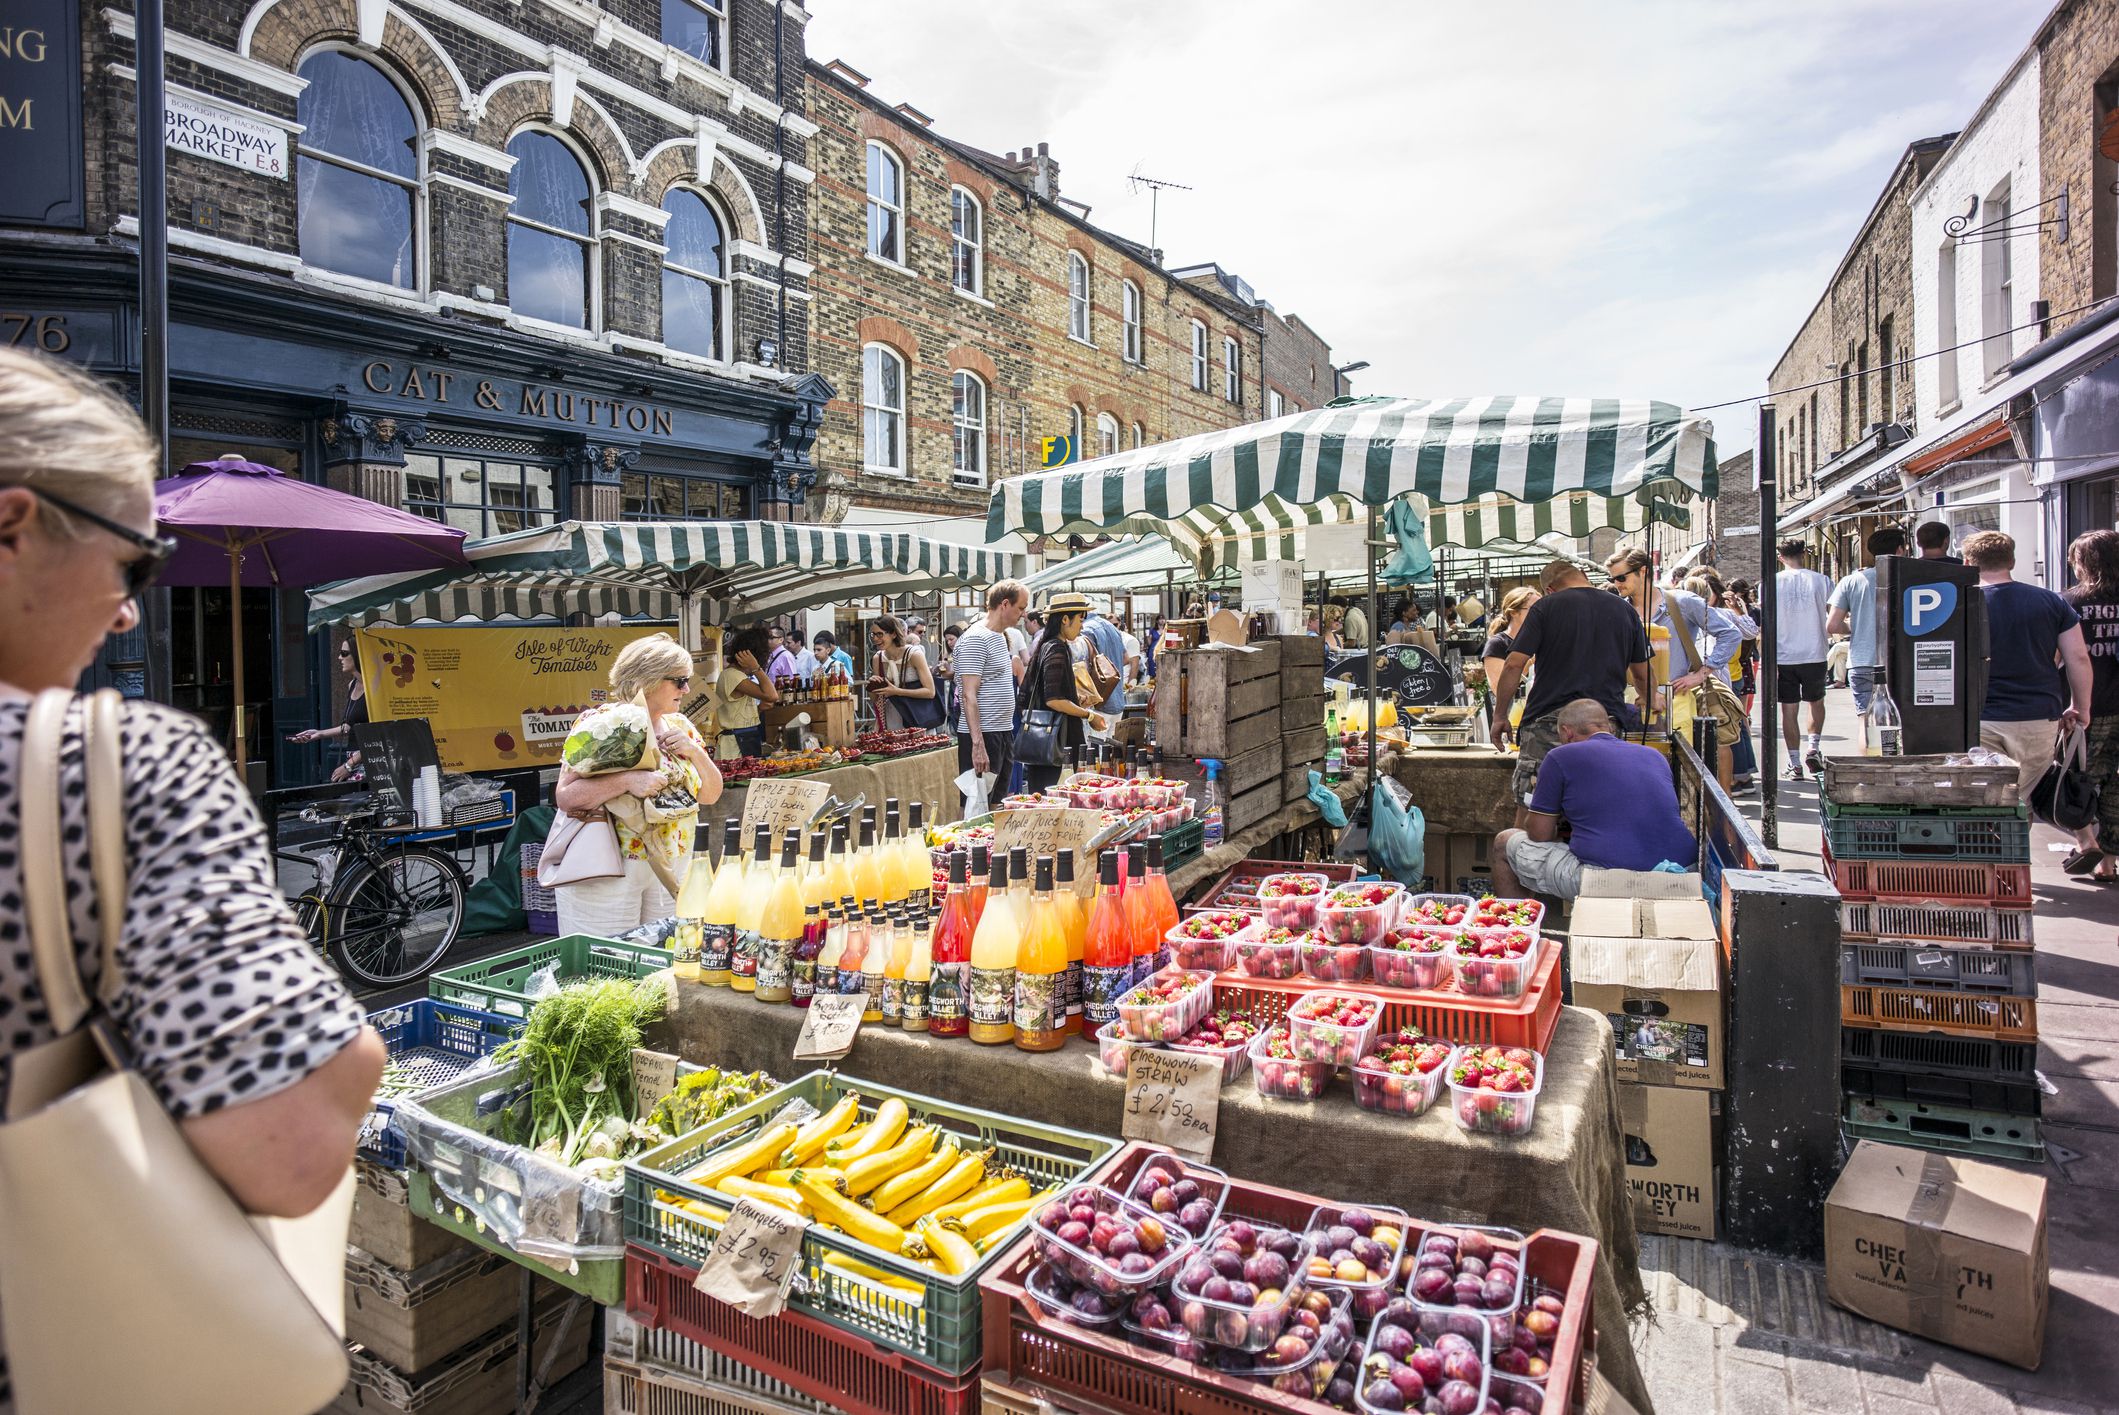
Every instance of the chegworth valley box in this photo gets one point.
(1653, 966)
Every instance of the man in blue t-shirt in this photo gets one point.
(2032, 635)
(1619, 798)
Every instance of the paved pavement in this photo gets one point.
(1735, 1333)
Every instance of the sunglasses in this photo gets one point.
(682, 683)
(140, 572)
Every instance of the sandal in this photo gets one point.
(2083, 861)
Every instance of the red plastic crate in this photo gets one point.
(822, 1362)
(1027, 1349)
(1526, 1021)
(1931, 881)
(1337, 871)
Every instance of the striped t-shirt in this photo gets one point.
(983, 653)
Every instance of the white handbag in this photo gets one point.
(577, 850)
(130, 1279)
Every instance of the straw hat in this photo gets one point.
(1071, 602)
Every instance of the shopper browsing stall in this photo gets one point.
(900, 684)
(1055, 720)
(986, 682)
(745, 687)
(1681, 612)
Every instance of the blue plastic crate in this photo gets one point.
(435, 1042)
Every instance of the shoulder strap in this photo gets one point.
(43, 865)
(106, 832)
(1680, 630)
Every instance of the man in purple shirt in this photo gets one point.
(1618, 797)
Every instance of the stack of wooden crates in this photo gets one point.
(1258, 710)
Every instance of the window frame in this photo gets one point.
(717, 10)
(650, 476)
(901, 446)
(1199, 356)
(1947, 372)
(871, 203)
(1276, 406)
(962, 428)
(1997, 285)
(437, 509)
(416, 185)
(974, 244)
(1140, 437)
(592, 243)
(1077, 430)
(1131, 303)
(1081, 323)
(724, 332)
(1109, 435)
(1231, 369)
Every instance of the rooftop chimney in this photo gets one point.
(1044, 172)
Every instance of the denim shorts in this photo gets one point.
(1864, 683)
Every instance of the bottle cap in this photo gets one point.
(980, 854)
(1155, 852)
(956, 868)
(1107, 870)
(1064, 862)
(1019, 863)
(1044, 874)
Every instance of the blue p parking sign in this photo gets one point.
(1927, 608)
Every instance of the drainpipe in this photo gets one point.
(780, 169)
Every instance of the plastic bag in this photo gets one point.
(1326, 800)
(1398, 834)
(977, 787)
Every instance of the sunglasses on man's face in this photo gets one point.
(143, 569)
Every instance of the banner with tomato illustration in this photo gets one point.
(498, 697)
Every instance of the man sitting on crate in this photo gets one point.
(1616, 795)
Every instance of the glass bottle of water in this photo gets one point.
(1887, 728)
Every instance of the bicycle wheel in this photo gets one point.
(393, 920)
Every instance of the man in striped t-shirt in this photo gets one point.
(985, 677)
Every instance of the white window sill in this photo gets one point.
(888, 264)
(1085, 343)
(964, 483)
(963, 294)
(1954, 405)
(892, 472)
(573, 333)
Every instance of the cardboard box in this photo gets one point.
(1942, 1247)
(1653, 966)
(1638, 884)
(1671, 1167)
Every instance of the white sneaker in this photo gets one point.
(1795, 770)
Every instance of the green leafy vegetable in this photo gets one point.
(576, 1054)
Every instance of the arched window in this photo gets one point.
(1077, 296)
(1074, 431)
(1106, 434)
(356, 171)
(1140, 436)
(1129, 316)
(886, 204)
(1199, 356)
(882, 410)
(694, 277)
(1231, 369)
(967, 242)
(551, 232)
(967, 415)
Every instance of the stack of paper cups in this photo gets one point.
(427, 798)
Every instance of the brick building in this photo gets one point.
(965, 310)
(1299, 373)
(496, 261)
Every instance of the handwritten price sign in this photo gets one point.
(1172, 1099)
(781, 806)
(829, 1029)
(1049, 832)
(754, 1259)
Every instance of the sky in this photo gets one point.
(1580, 197)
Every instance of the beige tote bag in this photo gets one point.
(129, 1277)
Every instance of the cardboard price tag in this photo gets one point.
(1048, 833)
(754, 1258)
(780, 806)
(828, 1031)
(654, 1076)
(1172, 1099)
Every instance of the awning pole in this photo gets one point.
(1769, 616)
(1368, 809)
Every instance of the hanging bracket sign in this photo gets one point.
(1172, 1099)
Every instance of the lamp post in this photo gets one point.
(1339, 373)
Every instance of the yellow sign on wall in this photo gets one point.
(498, 697)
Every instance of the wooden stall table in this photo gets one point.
(1567, 1173)
(921, 776)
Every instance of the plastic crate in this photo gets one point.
(1877, 1084)
(1029, 1351)
(1956, 1130)
(601, 1280)
(1917, 781)
(1229, 892)
(632, 1389)
(941, 1327)
(1184, 843)
(1970, 925)
(1884, 833)
(1526, 1021)
(480, 1377)
(1944, 882)
(837, 1367)
(688, 1370)
(431, 1043)
(540, 906)
(499, 984)
(1934, 966)
(1980, 1058)
(2004, 1018)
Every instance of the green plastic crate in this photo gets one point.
(1950, 1129)
(940, 1327)
(500, 983)
(602, 1281)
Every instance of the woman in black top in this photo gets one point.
(2095, 596)
(356, 715)
(1050, 682)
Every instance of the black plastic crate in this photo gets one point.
(1981, 1058)
(1935, 966)
(1876, 1084)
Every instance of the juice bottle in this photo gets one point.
(947, 992)
(717, 930)
(890, 878)
(894, 961)
(874, 959)
(918, 863)
(1140, 917)
(816, 875)
(834, 945)
(919, 977)
(780, 926)
(1107, 950)
(867, 879)
(807, 954)
(1074, 929)
(1041, 971)
(691, 919)
(1162, 905)
(838, 872)
(980, 881)
(855, 953)
(758, 883)
(993, 945)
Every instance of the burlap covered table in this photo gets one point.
(1568, 1173)
(920, 776)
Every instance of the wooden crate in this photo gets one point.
(1218, 702)
(1251, 770)
(1303, 743)
(1252, 806)
(1916, 781)
(1301, 651)
(411, 1320)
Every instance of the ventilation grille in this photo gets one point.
(258, 429)
(484, 442)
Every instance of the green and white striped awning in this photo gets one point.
(1492, 468)
(648, 569)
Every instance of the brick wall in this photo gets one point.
(2078, 59)
(1734, 521)
(1298, 362)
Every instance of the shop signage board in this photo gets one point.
(193, 125)
(1038, 832)
(497, 697)
(89, 336)
(654, 1076)
(392, 756)
(40, 115)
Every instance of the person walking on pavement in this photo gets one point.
(1933, 538)
(2038, 667)
(1802, 603)
(2095, 560)
(985, 677)
(1633, 576)
(1852, 612)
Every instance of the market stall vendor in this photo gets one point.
(744, 686)
(1616, 796)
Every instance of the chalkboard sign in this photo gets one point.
(392, 754)
(1407, 672)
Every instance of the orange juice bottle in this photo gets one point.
(1041, 971)
(1161, 904)
(980, 881)
(1140, 916)
(993, 947)
(948, 991)
(780, 926)
(918, 861)
(919, 977)
(758, 883)
(1107, 951)
(838, 871)
(874, 961)
(890, 877)
(816, 875)
(894, 967)
(717, 925)
(867, 877)
(1074, 928)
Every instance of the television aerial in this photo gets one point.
(1135, 180)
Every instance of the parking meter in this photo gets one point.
(1933, 620)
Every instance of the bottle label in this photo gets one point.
(872, 984)
(1161, 958)
(684, 943)
(805, 978)
(852, 981)
(1071, 989)
(717, 944)
(946, 993)
(893, 999)
(992, 996)
(918, 899)
(914, 1002)
(827, 979)
(776, 964)
(1101, 990)
(743, 963)
(1039, 1006)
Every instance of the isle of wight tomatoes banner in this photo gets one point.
(497, 697)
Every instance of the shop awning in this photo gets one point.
(1492, 468)
(737, 569)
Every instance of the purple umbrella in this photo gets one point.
(244, 523)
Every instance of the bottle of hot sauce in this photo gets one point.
(1107, 949)
(948, 988)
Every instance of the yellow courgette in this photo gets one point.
(754, 1154)
(811, 1139)
(913, 1289)
(1000, 1191)
(995, 1218)
(880, 1133)
(782, 1195)
(956, 1183)
(904, 1185)
(869, 1171)
(955, 1252)
(829, 1206)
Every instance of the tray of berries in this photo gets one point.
(1360, 913)
(1237, 1288)
(1272, 952)
(1291, 901)
(1402, 1074)
(1496, 962)
(1329, 962)
(1494, 1090)
(1468, 1278)
(1106, 1243)
(1115, 1046)
(1452, 910)
(1063, 1297)
(1415, 956)
(1357, 1249)
(1168, 1005)
(1280, 1074)
(1495, 912)
(1306, 1357)
(1405, 1369)
(1333, 1026)
(1186, 1192)
(1223, 1035)
(1208, 940)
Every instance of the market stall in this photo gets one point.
(927, 776)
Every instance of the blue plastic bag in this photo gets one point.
(1398, 834)
(1326, 800)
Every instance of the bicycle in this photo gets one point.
(383, 909)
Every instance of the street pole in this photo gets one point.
(154, 302)
(1370, 545)
(1769, 511)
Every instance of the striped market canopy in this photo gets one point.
(1492, 468)
(647, 569)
